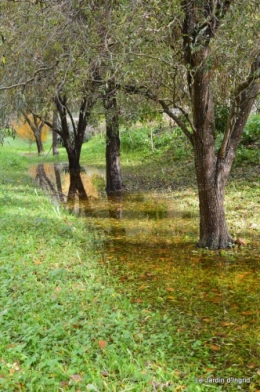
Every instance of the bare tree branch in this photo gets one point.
(148, 94)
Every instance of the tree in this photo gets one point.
(191, 47)
(55, 149)
(113, 169)
(30, 127)
(73, 140)
(109, 71)
(184, 55)
(212, 168)
(62, 76)
(37, 128)
(79, 75)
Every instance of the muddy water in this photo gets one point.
(149, 243)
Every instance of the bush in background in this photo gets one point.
(251, 132)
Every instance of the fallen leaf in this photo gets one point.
(76, 377)
(214, 347)
(247, 313)
(64, 384)
(11, 345)
(240, 241)
(251, 365)
(244, 326)
(227, 324)
(196, 259)
(136, 300)
(207, 320)
(169, 289)
(242, 275)
(210, 370)
(15, 368)
(102, 344)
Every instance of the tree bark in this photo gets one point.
(38, 140)
(55, 149)
(73, 157)
(213, 228)
(113, 169)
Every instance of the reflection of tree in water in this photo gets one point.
(46, 184)
(58, 183)
(115, 210)
(77, 193)
(77, 198)
(115, 206)
(76, 188)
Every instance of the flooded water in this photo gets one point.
(149, 244)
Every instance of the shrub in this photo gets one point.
(135, 139)
(251, 132)
(221, 116)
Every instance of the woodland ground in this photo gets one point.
(67, 323)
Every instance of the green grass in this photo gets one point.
(58, 304)
(67, 322)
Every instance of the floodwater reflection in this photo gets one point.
(78, 192)
(73, 189)
(148, 243)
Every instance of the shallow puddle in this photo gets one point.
(149, 244)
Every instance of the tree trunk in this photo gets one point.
(213, 227)
(39, 144)
(55, 149)
(211, 176)
(73, 138)
(113, 169)
(73, 157)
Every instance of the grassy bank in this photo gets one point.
(63, 324)
(68, 324)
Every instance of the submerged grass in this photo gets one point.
(69, 324)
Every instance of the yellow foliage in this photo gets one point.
(23, 129)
